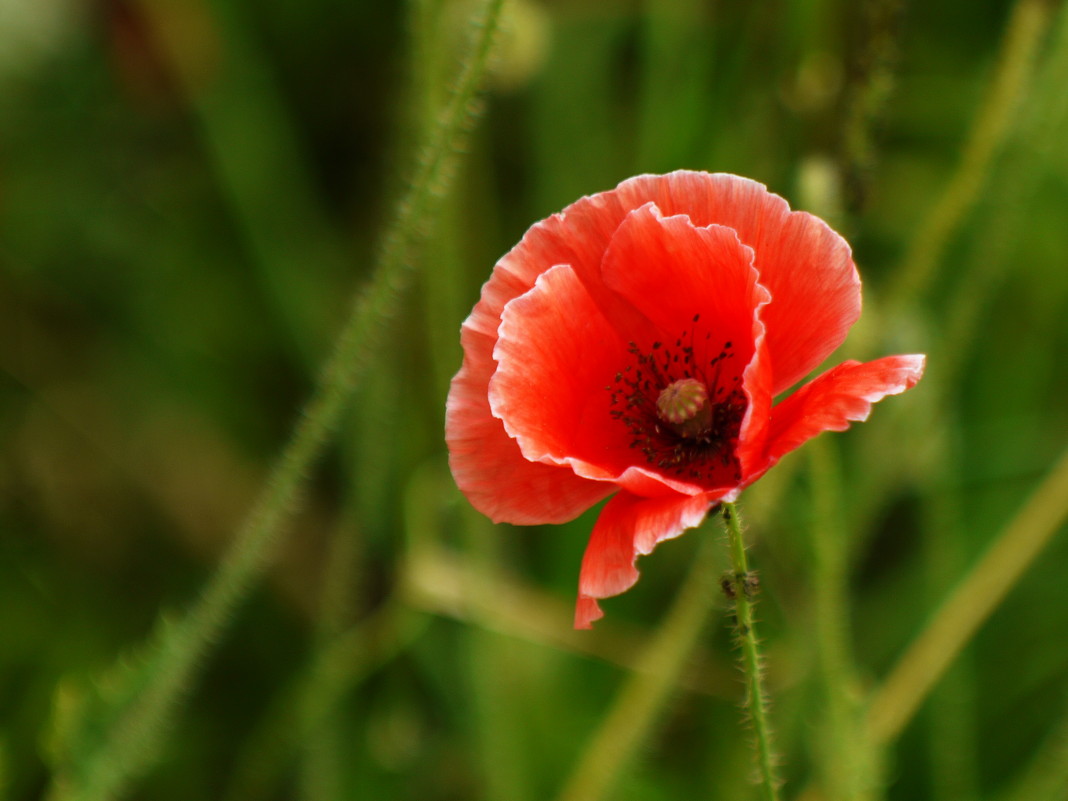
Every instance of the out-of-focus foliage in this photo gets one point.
(191, 190)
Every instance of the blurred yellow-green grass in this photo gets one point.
(192, 190)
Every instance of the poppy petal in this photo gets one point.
(557, 357)
(699, 290)
(555, 354)
(488, 465)
(807, 267)
(672, 273)
(842, 395)
(627, 527)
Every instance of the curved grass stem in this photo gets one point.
(131, 742)
(742, 587)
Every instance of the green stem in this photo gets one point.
(742, 587)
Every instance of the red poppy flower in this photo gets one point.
(632, 344)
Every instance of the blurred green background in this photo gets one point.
(191, 190)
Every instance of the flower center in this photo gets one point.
(683, 408)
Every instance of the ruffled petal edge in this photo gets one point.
(840, 396)
(627, 527)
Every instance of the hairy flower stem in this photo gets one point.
(742, 586)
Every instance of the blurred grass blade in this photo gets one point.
(1011, 81)
(107, 746)
(959, 617)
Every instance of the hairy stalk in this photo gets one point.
(976, 596)
(1011, 80)
(848, 761)
(743, 586)
(631, 718)
(131, 743)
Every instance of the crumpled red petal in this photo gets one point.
(486, 463)
(670, 271)
(556, 355)
(841, 395)
(629, 526)
(490, 470)
(807, 267)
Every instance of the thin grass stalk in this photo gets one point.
(1012, 78)
(130, 746)
(977, 595)
(646, 692)
(848, 762)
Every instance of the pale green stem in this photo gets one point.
(634, 712)
(1014, 70)
(743, 586)
(848, 761)
(132, 743)
(969, 605)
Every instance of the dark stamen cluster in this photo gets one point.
(708, 456)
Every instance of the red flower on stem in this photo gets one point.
(632, 344)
